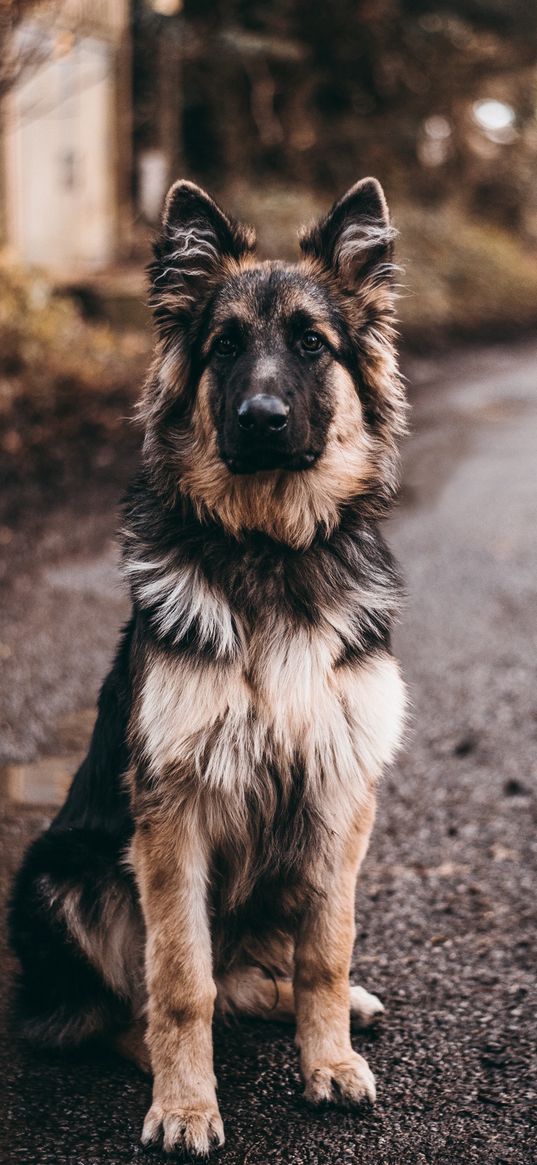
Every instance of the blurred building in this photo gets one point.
(66, 136)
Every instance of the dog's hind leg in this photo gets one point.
(76, 928)
(366, 1009)
(247, 990)
(75, 923)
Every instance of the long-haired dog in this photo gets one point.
(208, 850)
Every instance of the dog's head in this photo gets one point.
(274, 398)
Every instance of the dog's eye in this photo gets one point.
(312, 341)
(224, 346)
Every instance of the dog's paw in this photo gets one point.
(196, 1130)
(348, 1082)
(366, 1009)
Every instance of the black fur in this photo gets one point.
(270, 359)
(259, 574)
(62, 997)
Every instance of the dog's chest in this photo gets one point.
(283, 698)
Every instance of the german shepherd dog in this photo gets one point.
(208, 849)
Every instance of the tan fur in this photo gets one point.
(172, 872)
(370, 312)
(267, 727)
(288, 506)
(352, 719)
(114, 946)
(330, 1067)
(253, 699)
(247, 990)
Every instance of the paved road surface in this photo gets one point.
(447, 909)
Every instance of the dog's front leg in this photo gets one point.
(171, 868)
(332, 1070)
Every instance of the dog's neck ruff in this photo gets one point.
(201, 591)
(182, 608)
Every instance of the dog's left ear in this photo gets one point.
(355, 238)
(195, 240)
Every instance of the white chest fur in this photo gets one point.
(284, 696)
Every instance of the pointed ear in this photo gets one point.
(355, 238)
(195, 239)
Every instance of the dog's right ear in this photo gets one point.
(196, 238)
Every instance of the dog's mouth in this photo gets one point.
(263, 462)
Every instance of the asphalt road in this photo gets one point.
(447, 906)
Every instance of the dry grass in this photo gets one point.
(462, 279)
(66, 386)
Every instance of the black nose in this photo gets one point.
(263, 414)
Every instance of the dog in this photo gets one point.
(207, 852)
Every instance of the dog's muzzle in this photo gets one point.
(265, 433)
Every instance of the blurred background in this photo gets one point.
(278, 106)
